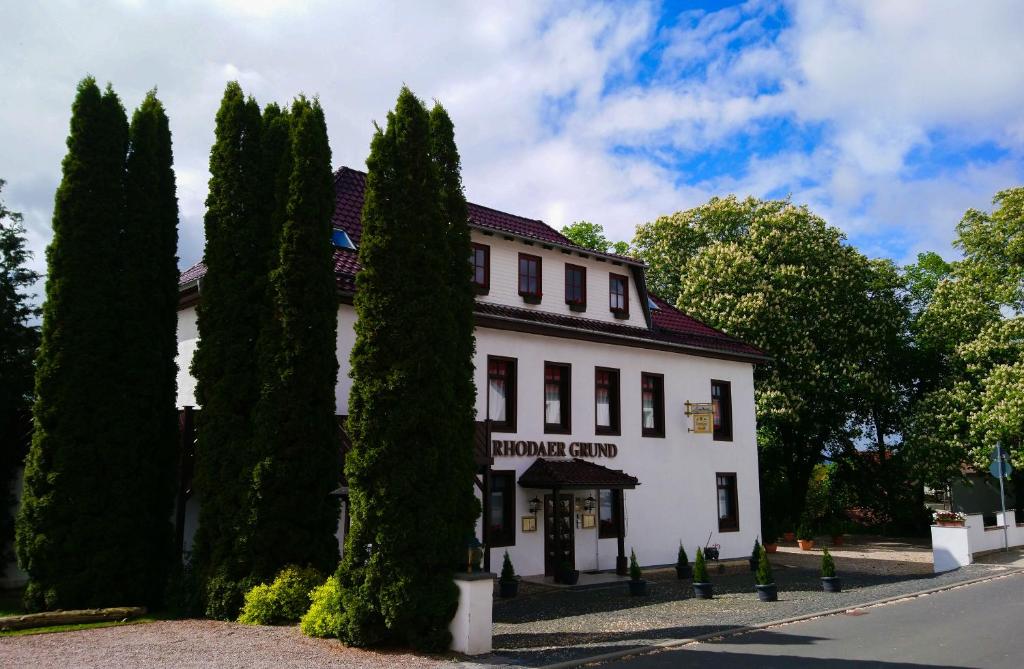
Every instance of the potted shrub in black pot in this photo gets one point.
(703, 588)
(683, 569)
(764, 580)
(508, 582)
(755, 556)
(637, 584)
(829, 581)
(566, 574)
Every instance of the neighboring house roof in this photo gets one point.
(670, 328)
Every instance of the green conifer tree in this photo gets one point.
(295, 516)
(230, 315)
(396, 573)
(71, 527)
(148, 285)
(456, 499)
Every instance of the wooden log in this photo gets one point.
(51, 618)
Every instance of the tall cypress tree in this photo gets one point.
(295, 515)
(459, 506)
(233, 309)
(395, 576)
(71, 526)
(149, 299)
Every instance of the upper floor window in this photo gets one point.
(721, 409)
(529, 278)
(501, 393)
(618, 295)
(557, 407)
(576, 287)
(652, 401)
(728, 507)
(480, 259)
(606, 400)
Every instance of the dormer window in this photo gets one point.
(480, 260)
(529, 278)
(576, 287)
(618, 295)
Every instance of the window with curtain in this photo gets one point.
(556, 397)
(721, 408)
(728, 513)
(606, 400)
(652, 402)
(501, 383)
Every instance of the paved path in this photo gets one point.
(972, 626)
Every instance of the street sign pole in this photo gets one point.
(1002, 494)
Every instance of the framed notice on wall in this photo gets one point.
(529, 524)
(589, 521)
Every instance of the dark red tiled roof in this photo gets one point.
(575, 473)
(350, 185)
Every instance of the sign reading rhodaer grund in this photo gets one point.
(552, 449)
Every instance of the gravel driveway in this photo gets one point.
(193, 644)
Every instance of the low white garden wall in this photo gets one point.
(954, 547)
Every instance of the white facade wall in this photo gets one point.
(677, 496)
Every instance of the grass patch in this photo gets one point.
(81, 626)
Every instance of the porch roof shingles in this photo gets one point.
(575, 473)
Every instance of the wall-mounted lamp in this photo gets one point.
(589, 503)
(534, 505)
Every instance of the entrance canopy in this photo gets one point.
(575, 474)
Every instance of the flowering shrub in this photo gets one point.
(949, 516)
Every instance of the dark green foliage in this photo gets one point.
(804, 531)
(828, 565)
(764, 567)
(18, 342)
(682, 559)
(149, 300)
(234, 307)
(75, 520)
(755, 554)
(700, 569)
(294, 516)
(406, 423)
(283, 601)
(635, 573)
(507, 572)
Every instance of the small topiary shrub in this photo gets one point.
(828, 566)
(682, 559)
(635, 573)
(323, 619)
(764, 568)
(755, 554)
(700, 570)
(507, 572)
(283, 601)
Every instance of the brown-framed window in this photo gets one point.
(557, 401)
(618, 295)
(608, 520)
(480, 259)
(606, 401)
(652, 404)
(721, 410)
(728, 508)
(576, 287)
(501, 393)
(529, 278)
(501, 521)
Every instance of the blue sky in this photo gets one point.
(887, 118)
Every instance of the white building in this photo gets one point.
(585, 378)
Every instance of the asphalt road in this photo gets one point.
(973, 626)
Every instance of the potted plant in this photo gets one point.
(771, 536)
(755, 555)
(788, 536)
(805, 537)
(949, 518)
(829, 581)
(637, 584)
(683, 569)
(508, 582)
(702, 586)
(836, 530)
(764, 581)
(566, 574)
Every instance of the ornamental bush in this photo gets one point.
(507, 572)
(682, 559)
(804, 532)
(283, 601)
(700, 569)
(635, 573)
(764, 568)
(323, 619)
(828, 565)
(755, 554)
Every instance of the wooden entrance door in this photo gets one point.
(567, 533)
